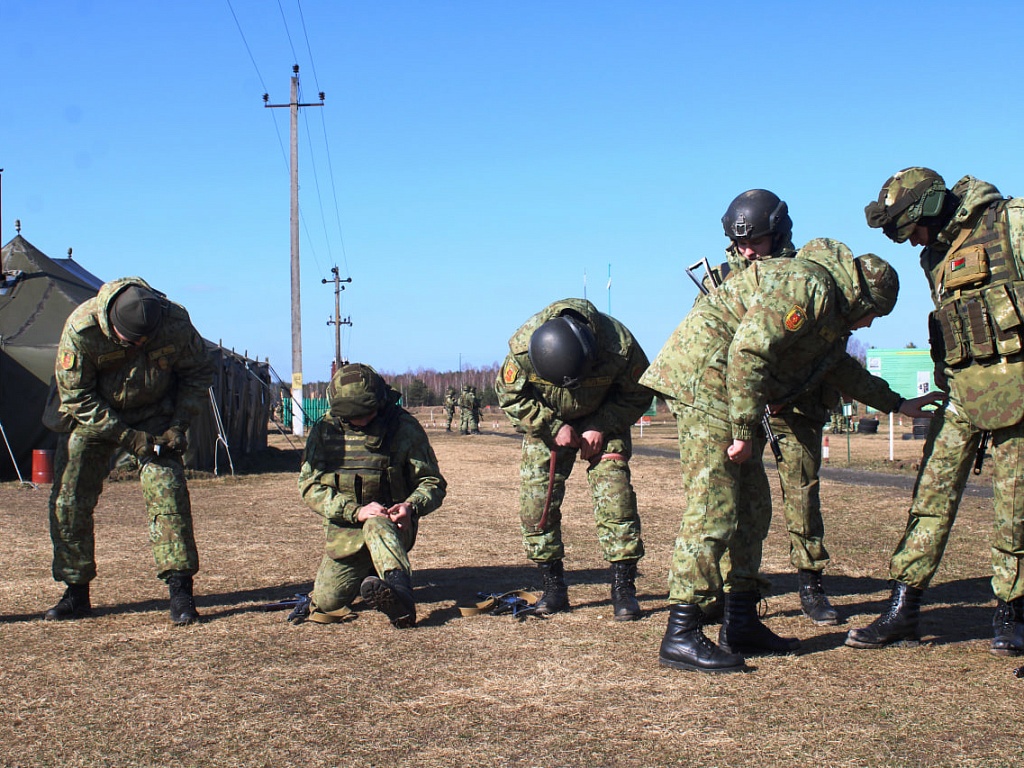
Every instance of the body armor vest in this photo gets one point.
(980, 293)
(361, 464)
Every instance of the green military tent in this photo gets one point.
(37, 294)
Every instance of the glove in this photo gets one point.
(175, 440)
(141, 445)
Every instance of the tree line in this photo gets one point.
(426, 386)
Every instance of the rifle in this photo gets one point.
(769, 433)
(979, 457)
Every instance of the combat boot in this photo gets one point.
(685, 645)
(183, 604)
(898, 622)
(624, 591)
(73, 605)
(1008, 624)
(813, 600)
(556, 594)
(742, 631)
(392, 596)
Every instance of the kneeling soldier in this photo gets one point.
(370, 472)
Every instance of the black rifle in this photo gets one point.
(766, 420)
(979, 457)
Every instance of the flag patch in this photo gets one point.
(795, 319)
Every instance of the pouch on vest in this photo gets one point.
(1005, 319)
(952, 334)
(966, 266)
(979, 332)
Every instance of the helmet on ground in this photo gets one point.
(356, 391)
(756, 213)
(879, 282)
(562, 350)
(136, 312)
(906, 198)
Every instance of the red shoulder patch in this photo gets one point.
(67, 360)
(795, 319)
(511, 372)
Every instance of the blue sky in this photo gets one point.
(474, 160)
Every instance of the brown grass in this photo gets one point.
(245, 688)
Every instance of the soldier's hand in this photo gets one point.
(590, 444)
(567, 437)
(175, 440)
(141, 445)
(740, 451)
(373, 509)
(914, 408)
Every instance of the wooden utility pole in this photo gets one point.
(337, 322)
(293, 105)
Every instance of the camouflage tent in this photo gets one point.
(36, 296)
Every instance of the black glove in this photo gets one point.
(141, 445)
(175, 440)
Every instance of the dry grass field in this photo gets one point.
(245, 688)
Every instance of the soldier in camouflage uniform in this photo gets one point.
(569, 383)
(131, 373)
(469, 411)
(759, 227)
(974, 262)
(767, 334)
(450, 401)
(370, 473)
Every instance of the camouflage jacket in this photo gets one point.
(106, 385)
(975, 270)
(407, 467)
(608, 400)
(767, 335)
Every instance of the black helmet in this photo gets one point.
(562, 350)
(758, 212)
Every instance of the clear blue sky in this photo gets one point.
(474, 160)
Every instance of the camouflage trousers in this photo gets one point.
(385, 549)
(468, 421)
(615, 510)
(949, 453)
(449, 417)
(80, 466)
(719, 516)
(800, 443)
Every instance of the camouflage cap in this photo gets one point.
(880, 283)
(136, 312)
(907, 197)
(356, 391)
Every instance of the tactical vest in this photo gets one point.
(361, 463)
(981, 293)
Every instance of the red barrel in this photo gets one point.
(42, 466)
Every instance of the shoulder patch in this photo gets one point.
(511, 372)
(795, 319)
(67, 360)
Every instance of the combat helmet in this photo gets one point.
(562, 350)
(356, 391)
(756, 213)
(911, 196)
(880, 286)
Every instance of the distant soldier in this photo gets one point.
(766, 335)
(369, 471)
(469, 411)
(131, 373)
(451, 400)
(973, 258)
(569, 383)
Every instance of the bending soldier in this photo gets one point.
(973, 259)
(131, 373)
(766, 335)
(569, 383)
(370, 473)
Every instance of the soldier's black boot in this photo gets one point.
(392, 596)
(1008, 625)
(898, 622)
(813, 600)
(556, 593)
(624, 591)
(685, 645)
(73, 605)
(742, 631)
(183, 604)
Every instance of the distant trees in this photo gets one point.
(427, 386)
